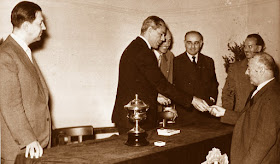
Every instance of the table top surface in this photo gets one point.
(113, 149)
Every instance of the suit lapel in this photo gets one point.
(261, 92)
(26, 62)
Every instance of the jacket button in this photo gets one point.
(48, 119)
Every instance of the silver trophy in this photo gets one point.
(136, 113)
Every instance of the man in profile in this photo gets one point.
(139, 74)
(24, 96)
(256, 135)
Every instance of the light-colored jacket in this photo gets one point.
(24, 98)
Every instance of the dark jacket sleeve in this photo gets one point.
(147, 64)
(228, 93)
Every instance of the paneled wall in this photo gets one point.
(85, 39)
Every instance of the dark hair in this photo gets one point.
(259, 39)
(24, 11)
(194, 32)
(152, 21)
(268, 61)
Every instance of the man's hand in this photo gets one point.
(34, 149)
(217, 111)
(163, 100)
(200, 104)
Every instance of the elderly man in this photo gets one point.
(139, 74)
(25, 116)
(237, 86)
(194, 73)
(256, 135)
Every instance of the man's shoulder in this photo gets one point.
(8, 45)
(180, 56)
(205, 57)
(242, 63)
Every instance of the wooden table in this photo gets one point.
(190, 146)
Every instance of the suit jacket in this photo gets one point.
(24, 99)
(199, 80)
(256, 135)
(139, 74)
(237, 87)
(166, 65)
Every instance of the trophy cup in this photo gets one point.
(136, 112)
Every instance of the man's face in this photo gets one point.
(253, 71)
(250, 47)
(35, 29)
(163, 48)
(157, 36)
(193, 43)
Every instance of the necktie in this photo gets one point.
(254, 93)
(159, 60)
(194, 62)
(250, 98)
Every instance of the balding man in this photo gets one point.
(256, 135)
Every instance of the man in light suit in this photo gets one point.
(25, 116)
(194, 73)
(237, 87)
(139, 74)
(256, 135)
(165, 61)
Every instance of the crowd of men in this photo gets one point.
(186, 82)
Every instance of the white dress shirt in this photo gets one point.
(23, 46)
(146, 41)
(261, 86)
(190, 56)
(159, 56)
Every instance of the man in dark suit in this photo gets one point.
(25, 116)
(139, 74)
(237, 86)
(256, 135)
(194, 73)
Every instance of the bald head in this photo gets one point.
(261, 68)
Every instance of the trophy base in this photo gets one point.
(137, 139)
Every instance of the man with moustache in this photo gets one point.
(237, 87)
(139, 74)
(25, 116)
(194, 73)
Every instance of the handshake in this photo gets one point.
(202, 106)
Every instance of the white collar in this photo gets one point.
(157, 54)
(261, 86)
(190, 56)
(146, 41)
(264, 83)
(23, 45)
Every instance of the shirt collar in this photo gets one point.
(264, 83)
(23, 45)
(190, 56)
(157, 54)
(145, 41)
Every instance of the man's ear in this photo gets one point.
(259, 48)
(25, 25)
(201, 44)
